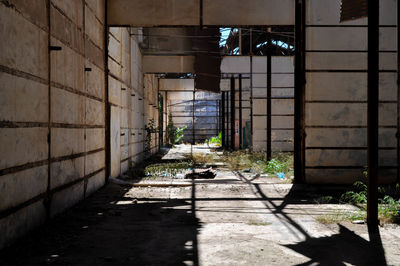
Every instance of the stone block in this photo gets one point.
(336, 157)
(94, 112)
(95, 138)
(22, 40)
(66, 198)
(95, 182)
(21, 222)
(95, 80)
(94, 162)
(67, 67)
(22, 100)
(66, 171)
(67, 107)
(335, 114)
(67, 141)
(94, 28)
(22, 186)
(22, 145)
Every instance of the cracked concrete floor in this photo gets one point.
(230, 220)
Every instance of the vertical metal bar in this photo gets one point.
(106, 97)
(223, 118)
(398, 92)
(233, 113)
(228, 119)
(299, 93)
(193, 107)
(251, 90)
(269, 89)
(240, 113)
(373, 108)
(47, 200)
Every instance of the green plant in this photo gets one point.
(174, 134)
(215, 140)
(388, 207)
(150, 129)
(275, 166)
(179, 134)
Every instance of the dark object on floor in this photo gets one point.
(201, 174)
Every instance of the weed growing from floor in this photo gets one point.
(257, 162)
(215, 140)
(388, 207)
(167, 169)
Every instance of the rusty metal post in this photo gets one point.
(269, 92)
(223, 119)
(240, 113)
(193, 118)
(232, 113)
(373, 108)
(398, 93)
(299, 93)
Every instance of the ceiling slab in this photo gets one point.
(153, 13)
(168, 64)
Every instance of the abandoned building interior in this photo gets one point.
(89, 92)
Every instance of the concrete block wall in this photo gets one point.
(336, 93)
(282, 103)
(52, 114)
(133, 100)
(282, 107)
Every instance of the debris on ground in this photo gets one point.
(201, 174)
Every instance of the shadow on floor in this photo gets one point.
(346, 246)
(109, 229)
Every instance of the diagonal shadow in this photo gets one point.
(345, 246)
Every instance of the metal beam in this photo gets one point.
(373, 108)
(299, 93)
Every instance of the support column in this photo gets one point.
(193, 107)
(373, 108)
(398, 92)
(240, 113)
(223, 119)
(299, 93)
(233, 113)
(269, 89)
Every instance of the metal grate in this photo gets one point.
(353, 9)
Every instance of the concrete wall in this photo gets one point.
(336, 93)
(53, 107)
(282, 103)
(52, 111)
(133, 100)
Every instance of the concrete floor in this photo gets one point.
(230, 220)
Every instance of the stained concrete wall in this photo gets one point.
(52, 111)
(336, 93)
(282, 102)
(53, 107)
(133, 100)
